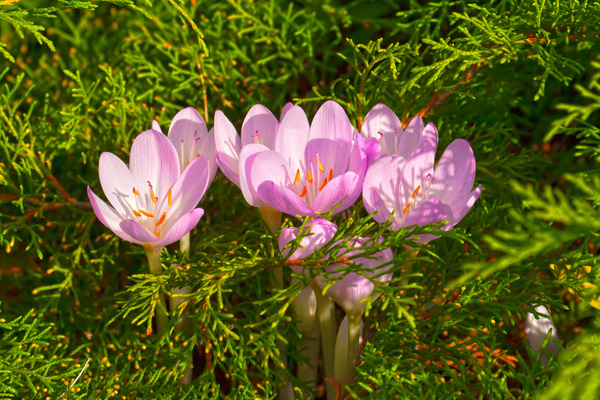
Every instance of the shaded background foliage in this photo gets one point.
(519, 80)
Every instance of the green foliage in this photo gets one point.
(519, 80)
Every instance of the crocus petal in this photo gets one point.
(251, 177)
(353, 288)
(288, 106)
(228, 145)
(187, 127)
(156, 126)
(183, 225)
(292, 137)
(137, 231)
(330, 138)
(283, 199)
(117, 183)
(430, 135)
(358, 164)
(341, 345)
(321, 232)
(409, 140)
(379, 120)
(382, 186)
(427, 212)
(341, 189)
(462, 206)
(109, 216)
(208, 149)
(188, 190)
(536, 330)
(154, 159)
(259, 127)
(417, 171)
(373, 149)
(455, 172)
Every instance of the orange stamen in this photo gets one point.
(161, 219)
(406, 209)
(170, 197)
(309, 176)
(320, 166)
(303, 192)
(330, 177)
(297, 178)
(147, 214)
(136, 192)
(323, 184)
(416, 191)
(153, 197)
(137, 214)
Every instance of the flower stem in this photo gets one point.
(353, 347)
(305, 309)
(272, 219)
(326, 315)
(184, 247)
(162, 320)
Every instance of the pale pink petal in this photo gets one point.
(330, 138)
(342, 188)
(187, 128)
(284, 199)
(188, 190)
(259, 127)
(134, 229)
(409, 140)
(183, 225)
(228, 145)
(153, 159)
(156, 126)
(117, 183)
(379, 120)
(207, 149)
(251, 177)
(321, 232)
(430, 135)
(418, 171)
(358, 164)
(382, 186)
(373, 149)
(454, 173)
(462, 206)
(292, 137)
(288, 106)
(430, 211)
(109, 216)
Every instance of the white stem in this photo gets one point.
(326, 315)
(162, 320)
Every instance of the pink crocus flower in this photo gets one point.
(191, 138)
(310, 168)
(153, 203)
(352, 289)
(383, 126)
(405, 181)
(259, 127)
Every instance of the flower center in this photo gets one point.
(148, 211)
(415, 199)
(315, 179)
(257, 138)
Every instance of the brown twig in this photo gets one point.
(223, 99)
(203, 90)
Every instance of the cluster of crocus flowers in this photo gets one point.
(402, 179)
(301, 168)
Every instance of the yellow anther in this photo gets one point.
(309, 176)
(323, 184)
(303, 192)
(416, 191)
(136, 192)
(297, 178)
(153, 197)
(137, 214)
(170, 198)
(320, 166)
(406, 209)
